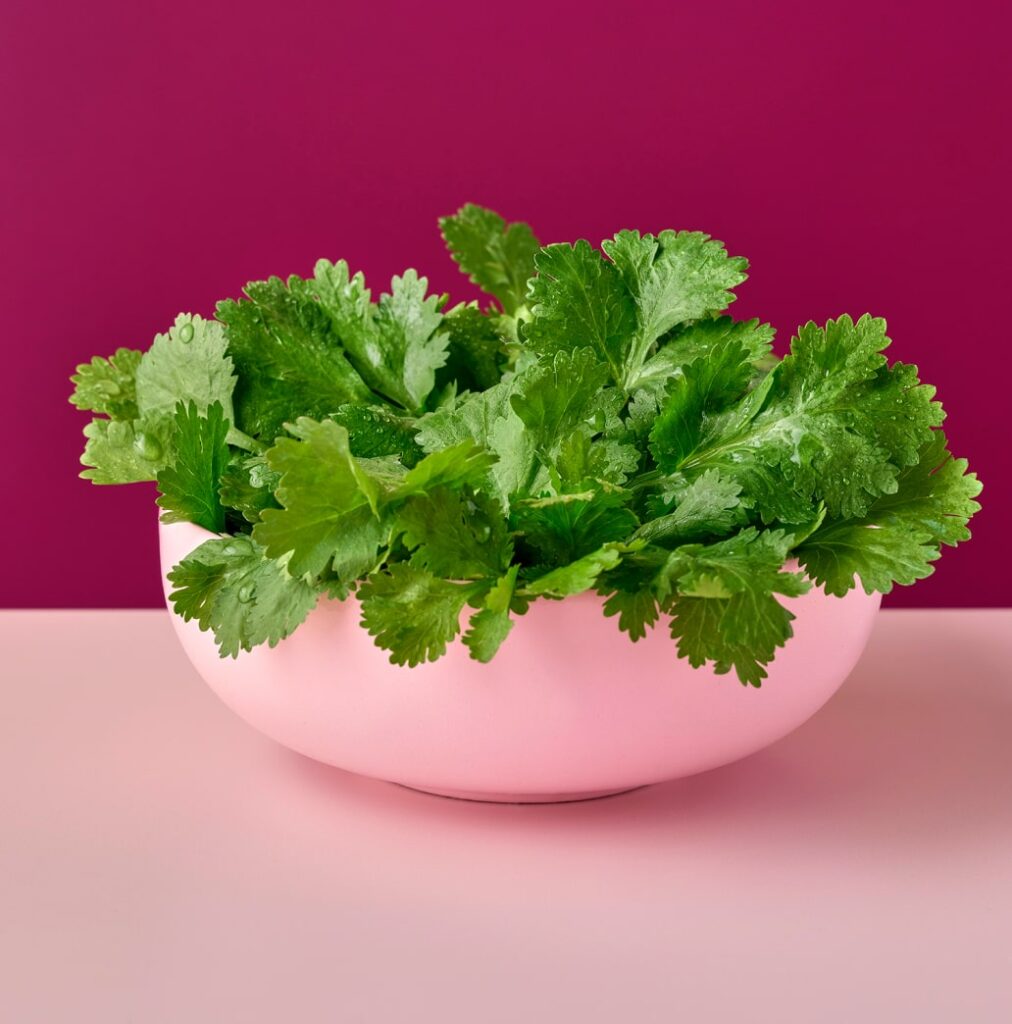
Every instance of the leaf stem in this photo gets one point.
(239, 439)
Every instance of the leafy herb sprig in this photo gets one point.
(601, 426)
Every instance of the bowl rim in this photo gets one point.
(790, 564)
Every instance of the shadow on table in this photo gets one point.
(920, 759)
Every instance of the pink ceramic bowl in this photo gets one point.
(568, 709)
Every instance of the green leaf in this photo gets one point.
(576, 577)
(247, 486)
(637, 611)
(189, 484)
(455, 535)
(190, 363)
(751, 558)
(496, 256)
(140, 393)
(375, 431)
(120, 452)
(108, 385)
(462, 464)
(476, 352)
(880, 556)
(723, 609)
(489, 421)
(555, 396)
(562, 528)
(580, 459)
(396, 345)
(632, 588)
(897, 413)
(622, 308)
(831, 423)
(411, 613)
(710, 506)
(935, 495)
(231, 587)
(707, 631)
(843, 420)
(674, 277)
(290, 361)
(902, 533)
(701, 340)
(579, 300)
(491, 624)
(705, 388)
(329, 500)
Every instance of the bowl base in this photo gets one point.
(521, 798)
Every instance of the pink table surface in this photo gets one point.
(160, 861)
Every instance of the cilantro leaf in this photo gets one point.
(456, 535)
(329, 502)
(411, 613)
(640, 413)
(555, 395)
(706, 631)
(902, 533)
(247, 486)
(935, 495)
(562, 528)
(396, 345)
(673, 278)
(708, 386)
(375, 430)
(580, 458)
(622, 308)
(189, 363)
(710, 505)
(189, 484)
(231, 587)
(476, 350)
(488, 420)
(724, 609)
(108, 385)
(124, 452)
(463, 464)
(290, 361)
(702, 340)
(637, 611)
(634, 589)
(579, 300)
(496, 256)
(879, 556)
(831, 422)
(577, 576)
(491, 624)
(140, 393)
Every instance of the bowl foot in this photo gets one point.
(521, 798)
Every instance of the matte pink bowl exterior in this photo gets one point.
(568, 708)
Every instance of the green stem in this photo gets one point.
(238, 439)
(647, 479)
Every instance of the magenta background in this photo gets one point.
(158, 155)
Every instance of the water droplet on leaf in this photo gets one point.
(186, 333)
(246, 593)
